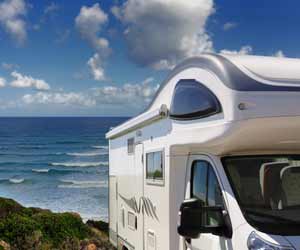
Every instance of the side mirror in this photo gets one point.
(196, 219)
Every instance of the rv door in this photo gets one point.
(139, 182)
(204, 200)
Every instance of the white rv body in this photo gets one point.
(260, 115)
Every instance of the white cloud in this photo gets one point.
(116, 12)
(12, 13)
(127, 94)
(71, 98)
(160, 33)
(96, 69)
(22, 81)
(245, 50)
(229, 26)
(89, 23)
(2, 82)
(279, 53)
(52, 7)
(9, 66)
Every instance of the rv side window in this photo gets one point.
(130, 145)
(192, 100)
(155, 166)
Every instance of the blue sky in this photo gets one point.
(101, 58)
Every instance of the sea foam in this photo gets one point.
(87, 154)
(16, 180)
(79, 164)
(83, 184)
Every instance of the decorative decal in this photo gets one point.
(145, 205)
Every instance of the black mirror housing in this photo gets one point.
(194, 217)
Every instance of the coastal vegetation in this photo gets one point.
(24, 228)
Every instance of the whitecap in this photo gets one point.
(16, 181)
(79, 164)
(40, 170)
(87, 154)
(83, 184)
(100, 147)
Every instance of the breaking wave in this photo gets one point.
(79, 164)
(40, 170)
(100, 147)
(87, 154)
(83, 184)
(16, 180)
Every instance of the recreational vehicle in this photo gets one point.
(214, 162)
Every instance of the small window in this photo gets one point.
(130, 145)
(192, 100)
(155, 166)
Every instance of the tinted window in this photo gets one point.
(154, 166)
(205, 187)
(130, 145)
(199, 185)
(214, 195)
(268, 191)
(192, 100)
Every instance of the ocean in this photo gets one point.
(59, 164)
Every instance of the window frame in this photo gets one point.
(151, 181)
(195, 115)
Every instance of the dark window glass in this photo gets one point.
(199, 182)
(205, 187)
(268, 191)
(192, 100)
(130, 146)
(214, 195)
(154, 161)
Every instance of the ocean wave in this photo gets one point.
(87, 154)
(31, 146)
(40, 170)
(30, 154)
(67, 142)
(16, 180)
(100, 147)
(79, 164)
(83, 184)
(55, 171)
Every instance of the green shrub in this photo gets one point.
(58, 228)
(19, 231)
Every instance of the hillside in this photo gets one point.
(39, 229)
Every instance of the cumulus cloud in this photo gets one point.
(96, 69)
(127, 94)
(279, 53)
(245, 50)
(2, 82)
(71, 98)
(229, 26)
(160, 33)
(89, 23)
(23, 81)
(12, 13)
